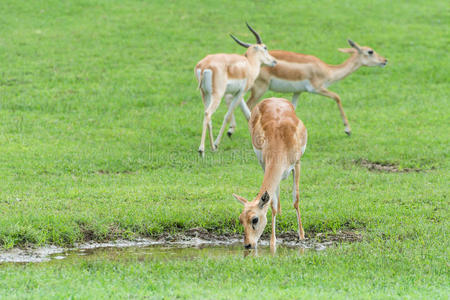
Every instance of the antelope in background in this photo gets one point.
(220, 74)
(297, 73)
(279, 141)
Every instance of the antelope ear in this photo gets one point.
(347, 50)
(240, 199)
(264, 199)
(354, 45)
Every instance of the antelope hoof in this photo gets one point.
(214, 148)
(201, 153)
(301, 236)
(229, 133)
(348, 131)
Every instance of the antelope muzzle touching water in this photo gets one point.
(279, 141)
(231, 74)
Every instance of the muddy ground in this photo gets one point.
(384, 167)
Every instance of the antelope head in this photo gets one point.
(365, 55)
(258, 50)
(253, 218)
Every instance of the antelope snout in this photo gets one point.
(248, 246)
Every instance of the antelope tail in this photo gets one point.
(199, 78)
(204, 78)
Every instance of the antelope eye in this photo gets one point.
(254, 220)
(265, 48)
(370, 52)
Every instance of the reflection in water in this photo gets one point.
(273, 251)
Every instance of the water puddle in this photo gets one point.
(188, 246)
(163, 253)
(157, 252)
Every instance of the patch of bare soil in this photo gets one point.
(342, 236)
(384, 167)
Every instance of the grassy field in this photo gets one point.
(100, 122)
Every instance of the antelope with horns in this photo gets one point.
(279, 141)
(296, 73)
(220, 74)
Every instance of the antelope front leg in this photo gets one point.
(296, 199)
(336, 98)
(227, 118)
(245, 109)
(278, 200)
(273, 238)
(257, 91)
(295, 99)
(274, 205)
(246, 112)
(232, 127)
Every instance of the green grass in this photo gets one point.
(100, 121)
(350, 272)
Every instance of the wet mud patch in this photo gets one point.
(290, 238)
(194, 243)
(384, 166)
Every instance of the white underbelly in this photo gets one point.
(235, 85)
(289, 86)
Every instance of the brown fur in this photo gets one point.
(226, 67)
(297, 67)
(280, 135)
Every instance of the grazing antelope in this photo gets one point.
(296, 73)
(279, 141)
(220, 74)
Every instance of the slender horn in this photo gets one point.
(354, 45)
(239, 42)
(258, 38)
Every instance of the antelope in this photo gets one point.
(296, 73)
(279, 141)
(220, 74)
